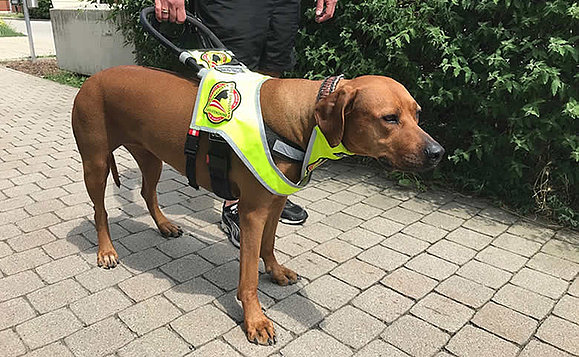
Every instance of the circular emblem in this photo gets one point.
(223, 99)
(215, 58)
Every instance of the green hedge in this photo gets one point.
(497, 81)
(42, 11)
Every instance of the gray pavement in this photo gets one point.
(387, 271)
(18, 47)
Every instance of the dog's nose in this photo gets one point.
(434, 152)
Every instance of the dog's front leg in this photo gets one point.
(279, 274)
(252, 215)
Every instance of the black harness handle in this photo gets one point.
(184, 56)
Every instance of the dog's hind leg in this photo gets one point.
(151, 168)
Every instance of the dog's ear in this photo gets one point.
(330, 114)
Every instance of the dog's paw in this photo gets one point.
(107, 259)
(284, 276)
(260, 331)
(169, 229)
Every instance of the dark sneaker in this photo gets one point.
(230, 223)
(293, 214)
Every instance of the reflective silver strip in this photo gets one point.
(184, 56)
(288, 150)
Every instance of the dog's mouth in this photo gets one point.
(409, 163)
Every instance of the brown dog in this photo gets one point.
(149, 111)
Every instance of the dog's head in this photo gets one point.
(377, 117)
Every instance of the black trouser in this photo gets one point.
(261, 33)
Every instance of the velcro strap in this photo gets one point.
(191, 147)
(219, 157)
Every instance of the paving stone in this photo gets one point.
(363, 211)
(459, 210)
(225, 276)
(161, 342)
(68, 228)
(294, 244)
(187, 267)
(517, 244)
(62, 268)
(378, 348)
(319, 232)
(312, 194)
(539, 349)
(202, 325)
(56, 349)
(178, 247)
(192, 294)
(409, 283)
(554, 266)
(296, 313)
(144, 260)
(361, 237)
(405, 244)
(358, 273)
(415, 336)
(560, 333)
(568, 235)
(10, 344)
(443, 221)
(531, 231)
(383, 258)
(469, 238)
(574, 288)
(337, 250)
(14, 312)
(451, 251)
(102, 338)
(383, 303)
(346, 197)
(352, 326)
(381, 201)
(329, 292)
(48, 328)
(37, 222)
(471, 341)
(219, 253)
(214, 348)
(342, 221)
(149, 314)
(484, 274)
(562, 249)
(238, 339)
(425, 232)
(310, 265)
(19, 284)
(499, 215)
(540, 283)
(432, 266)
(442, 312)
(402, 215)
(326, 207)
(28, 259)
(465, 291)
(8, 231)
(145, 285)
(31, 240)
(420, 206)
(315, 343)
(142, 240)
(505, 322)
(97, 278)
(568, 308)
(56, 295)
(66, 246)
(524, 301)
(100, 305)
(382, 226)
(484, 225)
(229, 304)
(501, 259)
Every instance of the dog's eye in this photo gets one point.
(392, 118)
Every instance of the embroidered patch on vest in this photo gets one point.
(215, 58)
(224, 98)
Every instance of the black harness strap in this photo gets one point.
(219, 161)
(191, 147)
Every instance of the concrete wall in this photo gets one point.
(86, 42)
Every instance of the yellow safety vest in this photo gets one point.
(228, 104)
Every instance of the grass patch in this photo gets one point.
(12, 16)
(68, 78)
(7, 31)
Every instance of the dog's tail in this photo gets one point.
(114, 171)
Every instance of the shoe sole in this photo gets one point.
(289, 221)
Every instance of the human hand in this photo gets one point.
(327, 13)
(170, 10)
